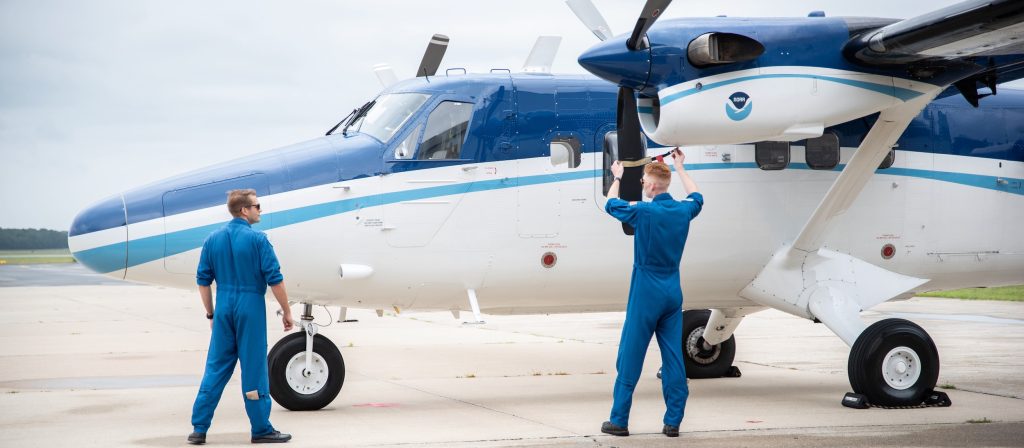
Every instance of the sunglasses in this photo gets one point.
(255, 205)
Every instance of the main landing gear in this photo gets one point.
(701, 358)
(306, 369)
(894, 363)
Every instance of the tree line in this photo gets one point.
(32, 239)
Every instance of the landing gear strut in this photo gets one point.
(306, 369)
(894, 363)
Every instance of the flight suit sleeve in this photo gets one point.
(621, 210)
(204, 273)
(268, 262)
(695, 201)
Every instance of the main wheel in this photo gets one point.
(297, 389)
(704, 360)
(894, 363)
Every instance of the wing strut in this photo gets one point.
(815, 282)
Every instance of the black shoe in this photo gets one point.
(671, 431)
(197, 438)
(611, 428)
(274, 437)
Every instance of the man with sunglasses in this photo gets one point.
(655, 293)
(242, 262)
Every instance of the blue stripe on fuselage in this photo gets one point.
(155, 247)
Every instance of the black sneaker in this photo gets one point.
(613, 429)
(274, 437)
(197, 438)
(671, 431)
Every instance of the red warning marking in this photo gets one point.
(661, 159)
(376, 405)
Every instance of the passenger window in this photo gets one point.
(611, 154)
(565, 151)
(888, 160)
(822, 153)
(771, 155)
(446, 131)
(406, 149)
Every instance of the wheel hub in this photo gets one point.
(305, 381)
(901, 368)
(696, 348)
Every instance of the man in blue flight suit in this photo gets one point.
(655, 295)
(242, 262)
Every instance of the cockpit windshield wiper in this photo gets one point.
(343, 120)
(359, 114)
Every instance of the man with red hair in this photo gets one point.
(655, 293)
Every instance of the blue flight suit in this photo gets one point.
(655, 300)
(242, 262)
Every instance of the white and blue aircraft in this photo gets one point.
(845, 162)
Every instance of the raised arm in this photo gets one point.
(677, 160)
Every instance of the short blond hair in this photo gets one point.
(660, 172)
(239, 199)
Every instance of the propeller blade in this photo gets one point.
(432, 57)
(542, 55)
(632, 146)
(591, 17)
(652, 9)
(385, 74)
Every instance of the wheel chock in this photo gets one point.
(855, 401)
(733, 372)
(938, 399)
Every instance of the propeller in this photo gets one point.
(433, 55)
(542, 55)
(591, 17)
(385, 74)
(607, 58)
(652, 9)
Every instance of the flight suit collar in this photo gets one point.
(240, 222)
(663, 197)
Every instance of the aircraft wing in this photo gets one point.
(974, 28)
(986, 35)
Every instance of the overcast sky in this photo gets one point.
(97, 97)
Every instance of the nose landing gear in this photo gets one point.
(306, 369)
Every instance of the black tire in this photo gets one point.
(700, 363)
(870, 352)
(277, 362)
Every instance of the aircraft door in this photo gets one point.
(427, 174)
(185, 227)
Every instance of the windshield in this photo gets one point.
(388, 113)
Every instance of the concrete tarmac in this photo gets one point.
(88, 361)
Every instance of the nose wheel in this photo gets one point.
(306, 369)
(894, 363)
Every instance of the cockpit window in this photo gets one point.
(388, 114)
(446, 131)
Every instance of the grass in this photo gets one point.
(947, 386)
(1004, 293)
(35, 256)
(979, 420)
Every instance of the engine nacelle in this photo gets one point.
(771, 103)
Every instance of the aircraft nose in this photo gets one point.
(98, 237)
(612, 61)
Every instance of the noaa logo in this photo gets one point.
(738, 106)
